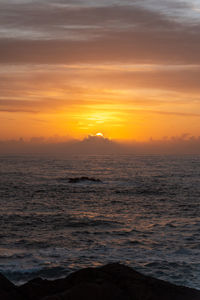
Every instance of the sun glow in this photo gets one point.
(99, 134)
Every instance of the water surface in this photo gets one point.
(145, 213)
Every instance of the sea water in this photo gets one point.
(144, 213)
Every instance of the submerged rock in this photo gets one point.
(110, 282)
(83, 178)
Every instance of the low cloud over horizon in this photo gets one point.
(95, 144)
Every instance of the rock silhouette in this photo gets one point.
(82, 179)
(110, 282)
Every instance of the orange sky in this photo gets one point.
(129, 71)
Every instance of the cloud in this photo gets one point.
(79, 78)
(39, 16)
(169, 113)
(19, 110)
(126, 47)
(184, 144)
(115, 33)
(44, 89)
(78, 59)
(180, 79)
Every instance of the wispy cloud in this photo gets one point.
(92, 34)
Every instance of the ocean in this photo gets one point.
(144, 212)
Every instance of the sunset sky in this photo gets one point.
(127, 69)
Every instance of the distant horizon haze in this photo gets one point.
(99, 144)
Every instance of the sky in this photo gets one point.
(72, 68)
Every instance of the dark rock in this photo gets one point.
(82, 179)
(8, 291)
(110, 282)
(38, 288)
(91, 291)
(141, 287)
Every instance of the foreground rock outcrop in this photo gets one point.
(111, 282)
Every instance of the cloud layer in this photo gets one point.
(39, 32)
(84, 66)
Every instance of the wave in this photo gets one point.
(20, 276)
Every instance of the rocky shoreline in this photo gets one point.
(110, 282)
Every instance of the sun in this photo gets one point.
(99, 134)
